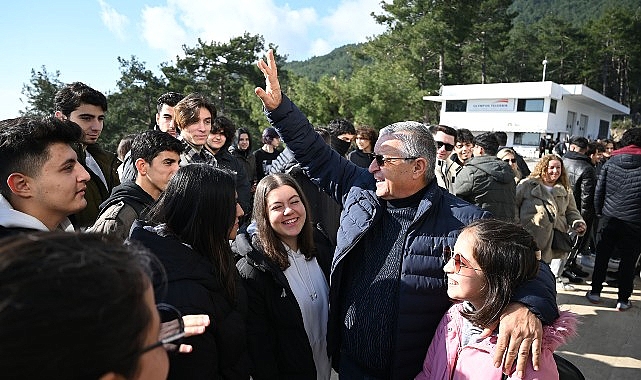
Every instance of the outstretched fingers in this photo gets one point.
(271, 96)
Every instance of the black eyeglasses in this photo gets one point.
(381, 161)
(510, 160)
(458, 263)
(172, 328)
(448, 147)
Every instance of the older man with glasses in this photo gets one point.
(387, 287)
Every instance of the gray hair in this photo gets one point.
(417, 142)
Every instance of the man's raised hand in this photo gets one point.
(271, 95)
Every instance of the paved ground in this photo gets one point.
(609, 343)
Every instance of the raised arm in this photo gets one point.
(333, 173)
(271, 96)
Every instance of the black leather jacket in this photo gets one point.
(582, 176)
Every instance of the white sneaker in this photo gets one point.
(564, 283)
(623, 306)
(567, 287)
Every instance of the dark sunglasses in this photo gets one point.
(458, 263)
(381, 161)
(172, 328)
(510, 160)
(448, 147)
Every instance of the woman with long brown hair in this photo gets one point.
(287, 285)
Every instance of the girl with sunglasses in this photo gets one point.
(509, 156)
(490, 259)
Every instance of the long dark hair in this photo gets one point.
(199, 207)
(267, 239)
(506, 253)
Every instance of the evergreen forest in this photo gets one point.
(427, 44)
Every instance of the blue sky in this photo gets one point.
(82, 39)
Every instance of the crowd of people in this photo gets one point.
(189, 255)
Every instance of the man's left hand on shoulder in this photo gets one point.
(520, 333)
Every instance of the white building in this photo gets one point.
(527, 111)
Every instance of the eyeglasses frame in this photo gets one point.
(458, 263)
(175, 338)
(381, 160)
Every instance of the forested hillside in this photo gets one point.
(426, 44)
(527, 12)
(344, 59)
(576, 12)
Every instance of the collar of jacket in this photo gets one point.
(539, 191)
(257, 259)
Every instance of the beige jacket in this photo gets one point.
(445, 171)
(531, 196)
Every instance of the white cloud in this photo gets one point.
(114, 21)
(300, 33)
(161, 30)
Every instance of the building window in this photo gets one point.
(552, 105)
(527, 138)
(455, 105)
(604, 129)
(530, 105)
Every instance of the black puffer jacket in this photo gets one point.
(278, 344)
(488, 182)
(618, 189)
(193, 287)
(582, 176)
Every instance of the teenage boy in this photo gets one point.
(42, 182)
(156, 156)
(86, 107)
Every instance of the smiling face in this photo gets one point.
(286, 214)
(463, 150)
(196, 133)
(58, 190)
(91, 119)
(243, 141)
(216, 140)
(468, 283)
(553, 172)
(395, 179)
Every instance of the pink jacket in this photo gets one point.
(444, 361)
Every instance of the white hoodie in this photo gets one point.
(12, 218)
